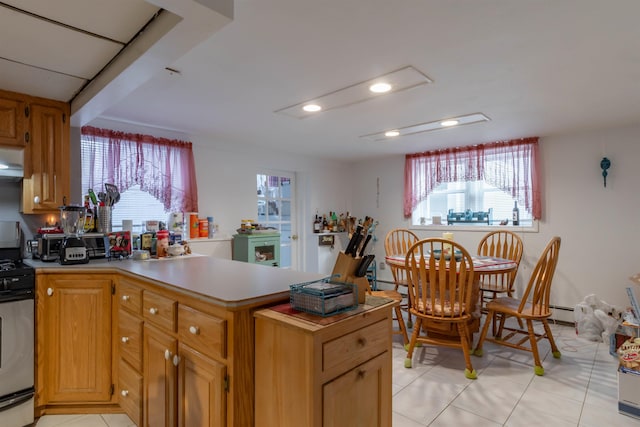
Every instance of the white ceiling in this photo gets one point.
(534, 67)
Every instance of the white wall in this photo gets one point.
(598, 226)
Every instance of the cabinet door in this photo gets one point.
(12, 121)
(361, 397)
(160, 376)
(77, 344)
(202, 395)
(46, 180)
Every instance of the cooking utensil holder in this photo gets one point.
(345, 269)
(104, 219)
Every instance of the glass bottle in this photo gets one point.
(516, 214)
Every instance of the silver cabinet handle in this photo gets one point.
(194, 330)
(49, 291)
(124, 393)
(167, 354)
(153, 310)
(36, 200)
(125, 339)
(126, 298)
(176, 360)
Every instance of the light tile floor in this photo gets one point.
(580, 389)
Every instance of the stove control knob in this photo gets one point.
(49, 291)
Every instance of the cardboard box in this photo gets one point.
(629, 392)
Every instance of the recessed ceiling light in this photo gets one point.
(392, 133)
(404, 78)
(3, 166)
(429, 126)
(380, 87)
(311, 108)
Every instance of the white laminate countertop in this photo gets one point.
(224, 282)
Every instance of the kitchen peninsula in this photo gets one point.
(167, 341)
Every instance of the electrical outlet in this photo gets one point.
(383, 265)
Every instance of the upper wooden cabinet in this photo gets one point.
(41, 127)
(46, 181)
(12, 119)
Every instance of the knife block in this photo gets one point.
(345, 268)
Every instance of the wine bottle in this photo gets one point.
(516, 214)
(316, 225)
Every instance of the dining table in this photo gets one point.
(482, 265)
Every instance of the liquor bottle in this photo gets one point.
(516, 214)
(334, 222)
(89, 219)
(316, 224)
(325, 224)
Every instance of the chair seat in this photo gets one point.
(510, 306)
(438, 309)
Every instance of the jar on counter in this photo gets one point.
(162, 245)
(203, 226)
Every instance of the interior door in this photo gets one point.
(276, 208)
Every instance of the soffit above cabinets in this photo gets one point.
(53, 49)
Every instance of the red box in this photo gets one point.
(119, 243)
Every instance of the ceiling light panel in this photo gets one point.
(404, 78)
(447, 123)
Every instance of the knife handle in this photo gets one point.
(364, 245)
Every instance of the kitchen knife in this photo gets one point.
(364, 245)
(356, 244)
(364, 265)
(352, 241)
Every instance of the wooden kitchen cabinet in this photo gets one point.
(13, 119)
(74, 341)
(41, 127)
(317, 375)
(160, 365)
(46, 181)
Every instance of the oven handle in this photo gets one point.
(17, 398)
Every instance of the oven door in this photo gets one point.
(16, 347)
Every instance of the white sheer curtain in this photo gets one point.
(511, 166)
(162, 167)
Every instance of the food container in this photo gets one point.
(162, 246)
(203, 227)
(194, 228)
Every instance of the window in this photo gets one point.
(478, 184)
(477, 196)
(155, 176)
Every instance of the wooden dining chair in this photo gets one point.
(533, 306)
(398, 242)
(503, 244)
(440, 284)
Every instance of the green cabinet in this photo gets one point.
(257, 248)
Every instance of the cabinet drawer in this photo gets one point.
(159, 310)
(203, 332)
(129, 297)
(130, 392)
(130, 338)
(356, 347)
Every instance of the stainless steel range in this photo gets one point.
(17, 286)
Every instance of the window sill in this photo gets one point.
(531, 228)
